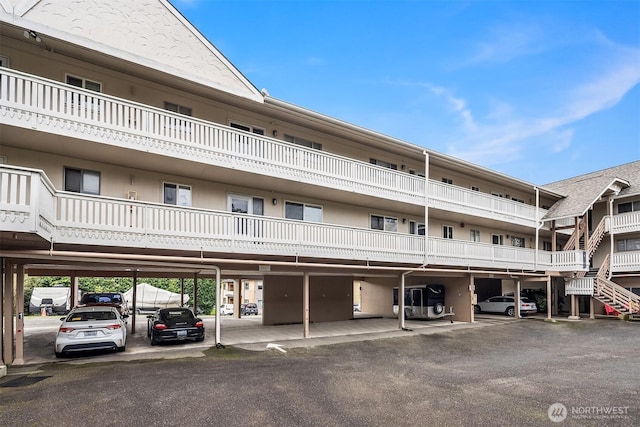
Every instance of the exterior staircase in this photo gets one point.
(595, 282)
(614, 295)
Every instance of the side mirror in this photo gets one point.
(62, 319)
(124, 316)
(149, 316)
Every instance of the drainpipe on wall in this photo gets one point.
(538, 226)
(426, 208)
(611, 239)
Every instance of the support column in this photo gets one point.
(305, 304)
(401, 319)
(19, 359)
(3, 278)
(474, 297)
(135, 300)
(73, 298)
(575, 310)
(517, 299)
(592, 309)
(7, 314)
(549, 302)
(195, 294)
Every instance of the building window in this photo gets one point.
(384, 223)
(383, 164)
(303, 142)
(497, 239)
(447, 180)
(546, 246)
(626, 245)
(246, 286)
(177, 108)
(416, 228)
(629, 207)
(176, 194)
(4, 61)
(84, 83)
(475, 235)
(414, 172)
(81, 181)
(518, 242)
(247, 128)
(239, 203)
(515, 199)
(474, 188)
(302, 212)
(493, 193)
(447, 232)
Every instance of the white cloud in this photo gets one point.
(504, 133)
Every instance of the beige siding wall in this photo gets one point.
(330, 299)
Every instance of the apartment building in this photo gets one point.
(131, 146)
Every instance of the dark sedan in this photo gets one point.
(174, 324)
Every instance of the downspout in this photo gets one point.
(538, 226)
(426, 244)
(426, 208)
(611, 239)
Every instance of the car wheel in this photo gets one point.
(153, 340)
(59, 355)
(476, 309)
(438, 308)
(511, 312)
(121, 349)
(200, 339)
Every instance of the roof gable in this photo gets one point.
(151, 33)
(585, 190)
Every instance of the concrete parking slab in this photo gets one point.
(247, 333)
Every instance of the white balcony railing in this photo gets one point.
(450, 198)
(579, 286)
(625, 262)
(32, 102)
(624, 223)
(80, 219)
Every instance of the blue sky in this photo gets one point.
(539, 90)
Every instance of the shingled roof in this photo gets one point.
(584, 190)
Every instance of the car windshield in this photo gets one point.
(86, 316)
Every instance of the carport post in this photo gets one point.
(195, 294)
(135, 298)
(218, 288)
(517, 299)
(19, 360)
(305, 303)
(549, 297)
(401, 301)
(7, 309)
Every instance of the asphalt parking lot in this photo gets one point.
(516, 373)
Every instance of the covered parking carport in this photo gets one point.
(296, 292)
